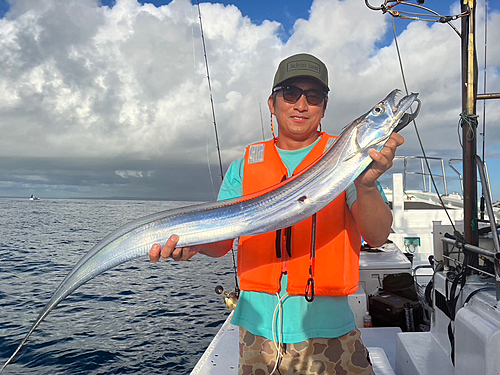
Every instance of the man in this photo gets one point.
(293, 311)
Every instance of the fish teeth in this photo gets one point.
(397, 102)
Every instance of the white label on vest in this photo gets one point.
(256, 153)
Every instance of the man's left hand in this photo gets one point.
(383, 161)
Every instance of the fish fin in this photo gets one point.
(381, 141)
(361, 149)
(351, 154)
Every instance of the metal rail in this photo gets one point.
(450, 164)
(495, 255)
(425, 175)
(477, 250)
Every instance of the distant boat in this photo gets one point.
(33, 198)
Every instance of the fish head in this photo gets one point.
(375, 127)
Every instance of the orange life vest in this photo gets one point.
(263, 258)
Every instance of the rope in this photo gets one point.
(471, 121)
(277, 337)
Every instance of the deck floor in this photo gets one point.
(221, 356)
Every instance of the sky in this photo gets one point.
(109, 99)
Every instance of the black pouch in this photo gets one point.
(400, 284)
(390, 310)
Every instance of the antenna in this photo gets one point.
(482, 200)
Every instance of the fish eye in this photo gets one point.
(378, 110)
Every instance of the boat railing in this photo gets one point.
(487, 175)
(487, 178)
(426, 176)
(450, 164)
(440, 176)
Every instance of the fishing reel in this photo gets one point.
(230, 298)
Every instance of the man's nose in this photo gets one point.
(301, 104)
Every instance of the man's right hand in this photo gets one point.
(170, 251)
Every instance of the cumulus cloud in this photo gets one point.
(82, 81)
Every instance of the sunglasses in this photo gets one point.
(292, 94)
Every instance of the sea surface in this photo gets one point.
(138, 318)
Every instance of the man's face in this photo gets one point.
(297, 122)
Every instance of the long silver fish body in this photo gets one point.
(280, 207)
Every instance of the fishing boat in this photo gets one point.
(33, 198)
(447, 242)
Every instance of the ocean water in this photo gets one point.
(138, 318)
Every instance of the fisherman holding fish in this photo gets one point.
(293, 310)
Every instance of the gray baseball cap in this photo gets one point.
(301, 65)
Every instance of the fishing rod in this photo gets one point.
(262, 123)
(211, 94)
(483, 134)
(468, 117)
(231, 298)
(389, 9)
(471, 161)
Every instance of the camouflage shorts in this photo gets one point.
(344, 355)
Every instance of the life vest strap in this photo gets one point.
(309, 293)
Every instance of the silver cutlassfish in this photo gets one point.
(285, 205)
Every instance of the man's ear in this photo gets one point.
(270, 103)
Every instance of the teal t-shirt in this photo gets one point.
(299, 320)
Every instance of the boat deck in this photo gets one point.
(221, 356)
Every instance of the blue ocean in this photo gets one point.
(138, 318)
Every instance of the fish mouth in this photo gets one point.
(400, 107)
